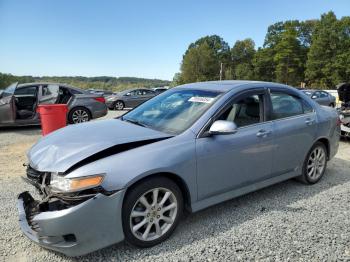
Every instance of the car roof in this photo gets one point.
(228, 85)
(50, 83)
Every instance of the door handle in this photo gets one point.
(263, 133)
(309, 121)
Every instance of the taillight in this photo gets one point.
(100, 99)
(339, 120)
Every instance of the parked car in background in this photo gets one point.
(18, 103)
(189, 148)
(100, 92)
(343, 90)
(159, 90)
(322, 97)
(129, 98)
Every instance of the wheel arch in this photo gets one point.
(175, 178)
(75, 107)
(325, 141)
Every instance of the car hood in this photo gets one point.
(66, 147)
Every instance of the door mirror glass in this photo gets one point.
(222, 127)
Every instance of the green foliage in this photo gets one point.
(312, 51)
(200, 63)
(101, 82)
(242, 54)
(329, 55)
(289, 57)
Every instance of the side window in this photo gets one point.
(317, 94)
(46, 91)
(28, 91)
(324, 94)
(246, 111)
(147, 92)
(285, 105)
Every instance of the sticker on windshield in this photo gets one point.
(201, 99)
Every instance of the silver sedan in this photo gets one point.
(189, 148)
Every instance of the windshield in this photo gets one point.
(173, 111)
(9, 91)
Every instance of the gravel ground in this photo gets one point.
(288, 221)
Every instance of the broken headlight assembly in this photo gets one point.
(59, 183)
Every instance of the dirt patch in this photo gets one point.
(12, 158)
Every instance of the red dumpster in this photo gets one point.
(53, 117)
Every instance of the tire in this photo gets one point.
(148, 218)
(332, 105)
(311, 177)
(79, 115)
(119, 105)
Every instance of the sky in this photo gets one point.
(129, 37)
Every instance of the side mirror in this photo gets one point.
(222, 127)
(314, 97)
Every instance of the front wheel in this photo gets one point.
(79, 115)
(315, 164)
(151, 211)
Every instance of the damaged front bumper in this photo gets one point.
(77, 230)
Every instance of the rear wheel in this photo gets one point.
(332, 105)
(151, 211)
(315, 164)
(119, 105)
(79, 115)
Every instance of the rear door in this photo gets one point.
(7, 105)
(48, 94)
(294, 122)
(134, 98)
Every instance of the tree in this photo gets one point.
(242, 54)
(200, 63)
(264, 65)
(329, 52)
(289, 58)
(217, 44)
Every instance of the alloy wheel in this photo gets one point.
(316, 163)
(80, 116)
(119, 105)
(153, 214)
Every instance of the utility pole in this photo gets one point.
(220, 71)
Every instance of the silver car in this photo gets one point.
(322, 97)
(129, 98)
(18, 103)
(186, 149)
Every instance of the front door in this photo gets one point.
(7, 105)
(227, 162)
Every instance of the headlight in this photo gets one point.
(60, 183)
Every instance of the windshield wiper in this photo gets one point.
(135, 122)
